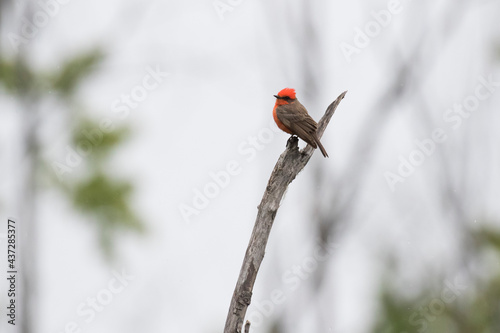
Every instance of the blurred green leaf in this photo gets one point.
(107, 200)
(74, 70)
(489, 236)
(395, 312)
(16, 77)
(88, 134)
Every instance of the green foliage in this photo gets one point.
(106, 200)
(19, 79)
(476, 310)
(100, 195)
(488, 236)
(103, 198)
(8, 75)
(396, 312)
(15, 76)
(102, 142)
(67, 79)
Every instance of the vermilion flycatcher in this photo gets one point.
(292, 117)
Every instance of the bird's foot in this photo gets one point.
(292, 142)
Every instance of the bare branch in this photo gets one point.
(289, 164)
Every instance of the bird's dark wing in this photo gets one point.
(295, 117)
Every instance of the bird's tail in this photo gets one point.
(323, 151)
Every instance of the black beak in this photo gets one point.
(276, 96)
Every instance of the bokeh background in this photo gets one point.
(137, 141)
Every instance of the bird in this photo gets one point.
(292, 117)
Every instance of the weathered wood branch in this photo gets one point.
(289, 164)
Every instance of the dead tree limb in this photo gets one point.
(289, 164)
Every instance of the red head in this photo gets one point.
(287, 92)
(285, 96)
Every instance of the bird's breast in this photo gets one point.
(279, 123)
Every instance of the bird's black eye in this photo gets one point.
(286, 97)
